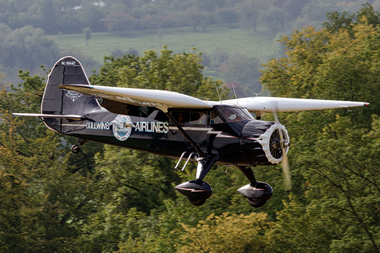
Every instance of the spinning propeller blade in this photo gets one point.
(285, 163)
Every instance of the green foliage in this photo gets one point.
(227, 233)
(249, 13)
(44, 204)
(243, 70)
(333, 152)
(338, 210)
(136, 179)
(366, 15)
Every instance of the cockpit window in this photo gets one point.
(234, 114)
(215, 118)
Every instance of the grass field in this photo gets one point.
(260, 44)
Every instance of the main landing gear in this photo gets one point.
(76, 148)
(198, 191)
(257, 193)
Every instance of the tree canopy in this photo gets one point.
(332, 152)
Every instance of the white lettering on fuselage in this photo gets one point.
(98, 125)
(150, 127)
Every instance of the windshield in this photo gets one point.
(232, 114)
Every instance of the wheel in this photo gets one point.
(197, 202)
(75, 148)
(256, 202)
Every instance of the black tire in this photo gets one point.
(197, 202)
(256, 202)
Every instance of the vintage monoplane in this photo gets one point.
(174, 125)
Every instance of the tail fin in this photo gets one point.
(67, 70)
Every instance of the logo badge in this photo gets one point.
(73, 95)
(122, 127)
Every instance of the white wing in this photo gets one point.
(161, 99)
(262, 105)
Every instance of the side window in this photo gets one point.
(180, 116)
(197, 118)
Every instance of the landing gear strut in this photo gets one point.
(257, 193)
(76, 148)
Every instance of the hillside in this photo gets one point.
(232, 41)
(230, 54)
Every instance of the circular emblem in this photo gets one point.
(122, 127)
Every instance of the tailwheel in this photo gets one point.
(256, 202)
(75, 148)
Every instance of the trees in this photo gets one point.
(336, 211)
(228, 233)
(332, 158)
(243, 70)
(119, 21)
(249, 12)
(87, 34)
(45, 199)
(366, 15)
(14, 45)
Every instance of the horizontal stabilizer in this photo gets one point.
(39, 115)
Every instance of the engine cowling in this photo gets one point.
(264, 142)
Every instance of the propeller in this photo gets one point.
(285, 163)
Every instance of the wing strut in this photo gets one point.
(192, 142)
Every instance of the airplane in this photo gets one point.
(175, 125)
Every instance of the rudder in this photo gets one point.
(67, 70)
